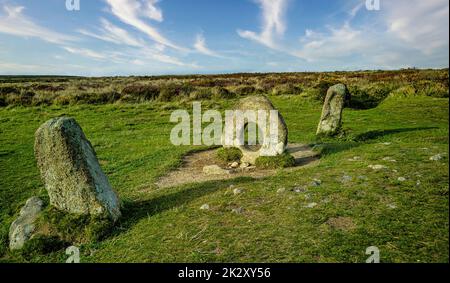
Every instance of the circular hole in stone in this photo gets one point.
(248, 132)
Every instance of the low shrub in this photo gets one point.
(230, 154)
(73, 228)
(219, 92)
(275, 162)
(286, 89)
(141, 93)
(201, 93)
(243, 90)
(41, 245)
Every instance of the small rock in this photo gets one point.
(238, 210)
(215, 170)
(300, 190)
(234, 165)
(237, 191)
(364, 178)
(244, 165)
(204, 207)
(346, 179)
(386, 143)
(281, 190)
(316, 183)
(390, 159)
(249, 168)
(395, 170)
(392, 206)
(377, 167)
(436, 157)
(23, 227)
(355, 158)
(401, 179)
(311, 205)
(418, 183)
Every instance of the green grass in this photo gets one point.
(406, 221)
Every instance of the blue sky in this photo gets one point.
(150, 37)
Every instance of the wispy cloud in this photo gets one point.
(200, 46)
(134, 13)
(14, 22)
(86, 53)
(114, 34)
(273, 23)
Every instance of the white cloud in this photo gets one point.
(273, 26)
(114, 34)
(134, 13)
(14, 22)
(423, 25)
(200, 46)
(86, 53)
(337, 43)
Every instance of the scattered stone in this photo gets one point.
(390, 159)
(378, 167)
(346, 179)
(72, 175)
(249, 168)
(23, 227)
(215, 170)
(311, 205)
(341, 223)
(281, 190)
(436, 157)
(316, 183)
(395, 170)
(244, 165)
(392, 206)
(355, 158)
(237, 191)
(300, 190)
(386, 143)
(364, 178)
(418, 183)
(401, 179)
(238, 210)
(204, 207)
(331, 120)
(234, 165)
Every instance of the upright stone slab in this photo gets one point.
(71, 172)
(23, 228)
(331, 120)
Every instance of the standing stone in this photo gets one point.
(71, 172)
(331, 120)
(23, 227)
(270, 146)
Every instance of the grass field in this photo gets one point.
(353, 208)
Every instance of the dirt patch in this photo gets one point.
(341, 223)
(192, 169)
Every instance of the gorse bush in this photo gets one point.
(275, 162)
(229, 154)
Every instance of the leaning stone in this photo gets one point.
(331, 120)
(72, 175)
(23, 227)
